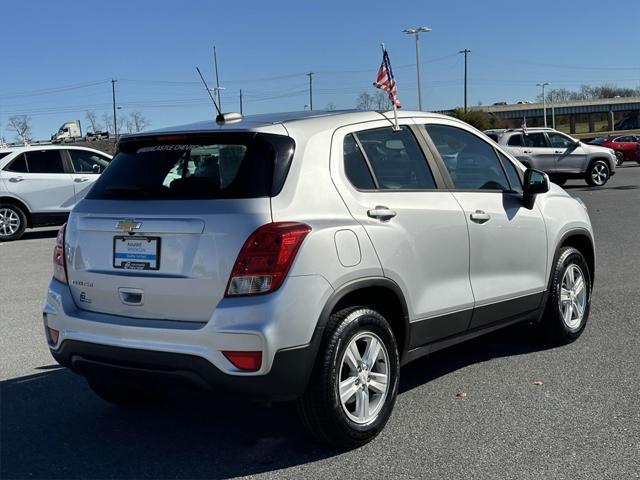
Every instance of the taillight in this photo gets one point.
(59, 260)
(266, 257)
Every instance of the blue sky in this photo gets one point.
(58, 57)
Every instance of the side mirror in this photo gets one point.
(535, 182)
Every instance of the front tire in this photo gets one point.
(354, 384)
(569, 300)
(13, 222)
(598, 173)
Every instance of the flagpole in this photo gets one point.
(396, 127)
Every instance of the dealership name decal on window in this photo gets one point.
(166, 148)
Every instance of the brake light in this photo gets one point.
(265, 258)
(59, 260)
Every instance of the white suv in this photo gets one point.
(308, 256)
(40, 184)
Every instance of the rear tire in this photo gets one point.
(598, 173)
(13, 222)
(619, 158)
(569, 300)
(123, 394)
(354, 383)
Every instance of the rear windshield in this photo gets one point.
(192, 168)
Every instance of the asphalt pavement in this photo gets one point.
(527, 411)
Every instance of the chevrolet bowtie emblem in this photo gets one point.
(128, 225)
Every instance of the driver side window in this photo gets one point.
(87, 162)
(472, 163)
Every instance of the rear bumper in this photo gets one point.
(286, 380)
(279, 325)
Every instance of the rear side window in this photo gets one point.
(355, 165)
(516, 141)
(537, 140)
(18, 165)
(396, 159)
(85, 161)
(45, 161)
(194, 168)
(4, 154)
(472, 163)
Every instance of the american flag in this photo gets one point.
(524, 125)
(385, 80)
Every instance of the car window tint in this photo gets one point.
(45, 161)
(355, 165)
(535, 140)
(516, 141)
(18, 165)
(87, 162)
(396, 159)
(472, 163)
(512, 173)
(560, 141)
(4, 154)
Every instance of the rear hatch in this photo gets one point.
(158, 234)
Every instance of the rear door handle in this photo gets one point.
(81, 179)
(381, 213)
(480, 217)
(16, 179)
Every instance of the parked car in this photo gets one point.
(627, 147)
(39, 185)
(560, 155)
(306, 257)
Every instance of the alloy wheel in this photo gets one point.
(9, 222)
(363, 380)
(573, 297)
(599, 174)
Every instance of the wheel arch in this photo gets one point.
(582, 240)
(21, 205)
(606, 160)
(378, 293)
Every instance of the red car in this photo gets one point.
(627, 147)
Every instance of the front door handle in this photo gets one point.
(81, 179)
(381, 213)
(16, 179)
(559, 151)
(527, 151)
(480, 217)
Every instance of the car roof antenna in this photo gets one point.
(219, 117)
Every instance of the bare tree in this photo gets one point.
(21, 124)
(381, 100)
(330, 106)
(108, 122)
(365, 101)
(92, 118)
(137, 122)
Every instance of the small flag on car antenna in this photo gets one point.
(385, 81)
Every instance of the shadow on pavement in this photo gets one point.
(53, 426)
(37, 234)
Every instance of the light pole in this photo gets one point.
(544, 102)
(416, 32)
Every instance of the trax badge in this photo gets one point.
(128, 225)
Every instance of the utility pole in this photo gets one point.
(310, 75)
(215, 62)
(416, 32)
(115, 121)
(544, 102)
(240, 101)
(466, 51)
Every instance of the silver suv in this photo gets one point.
(306, 257)
(559, 155)
(40, 184)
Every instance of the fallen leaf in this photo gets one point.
(538, 382)
(461, 394)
